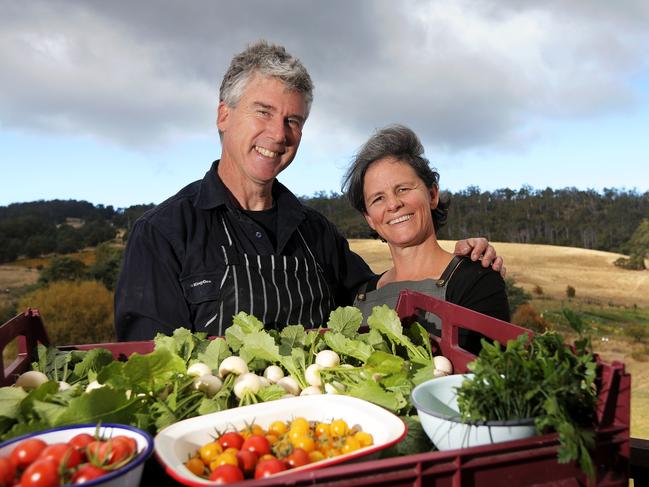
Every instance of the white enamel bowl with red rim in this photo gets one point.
(176, 443)
(127, 476)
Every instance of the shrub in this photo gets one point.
(63, 269)
(527, 316)
(570, 291)
(74, 312)
(634, 263)
(516, 295)
(637, 332)
(538, 290)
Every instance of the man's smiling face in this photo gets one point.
(262, 133)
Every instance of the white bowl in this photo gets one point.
(436, 403)
(127, 476)
(176, 443)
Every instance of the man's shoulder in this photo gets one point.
(173, 208)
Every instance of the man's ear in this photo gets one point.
(222, 116)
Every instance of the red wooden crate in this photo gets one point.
(527, 462)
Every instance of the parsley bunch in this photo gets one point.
(541, 378)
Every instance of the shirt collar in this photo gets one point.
(213, 193)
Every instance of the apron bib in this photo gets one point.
(278, 290)
(389, 294)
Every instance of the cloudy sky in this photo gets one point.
(114, 102)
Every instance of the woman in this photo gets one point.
(392, 184)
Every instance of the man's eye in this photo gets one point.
(294, 123)
(263, 113)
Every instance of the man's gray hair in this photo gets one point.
(268, 60)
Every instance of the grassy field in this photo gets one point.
(607, 297)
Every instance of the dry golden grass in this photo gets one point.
(590, 272)
(595, 279)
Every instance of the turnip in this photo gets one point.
(273, 373)
(31, 379)
(233, 365)
(198, 369)
(264, 382)
(332, 389)
(327, 359)
(442, 365)
(208, 383)
(310, 391)
(64, 386)
(245, 384)
(93, 385)
(312, 375)
(290, 385)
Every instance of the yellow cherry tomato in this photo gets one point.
(364, 438)
(316, 456)
(277, 428)
(195, 465)
(351, 444)
(339, 428)
(322, 429)
(305, 442)
(300, 424)
(224, 459)
(209, 451)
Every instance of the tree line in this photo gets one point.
(566, 217)
(588, 219)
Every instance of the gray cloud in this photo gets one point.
(465, 75)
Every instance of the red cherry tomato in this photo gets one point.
(257, 444)
(60, 453)
(226, 474)
(298, 458)
(86, 473)
(7, 471)
(129, 441)
(114, 451)
(41, 473)
(81, 441)
(27, 451)
(266, 468)
(247, 461)
(231, 439)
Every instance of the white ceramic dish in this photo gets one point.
(127, 476)
(176, 443)
(436, 403)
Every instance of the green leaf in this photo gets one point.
(343, 345)
(416, 440)
(214, 353)
(94, 360)
(345, 320)
(242, 324)
(155, 367)
(271, 393)
(10, 399)
(373, 392)
(260, 345)
(385, 363)
(105, 404)
(291, 336)
(423, 374)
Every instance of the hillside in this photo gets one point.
(553, 268)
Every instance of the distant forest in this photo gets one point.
(567, 217)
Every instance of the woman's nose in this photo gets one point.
(394, 203)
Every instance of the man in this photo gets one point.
(238, 240)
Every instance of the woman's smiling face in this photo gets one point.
(397, 202)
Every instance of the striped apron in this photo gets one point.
(278, 290)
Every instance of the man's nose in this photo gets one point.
(278, 130)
